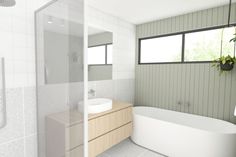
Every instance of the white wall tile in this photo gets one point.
(19, 24)
(76, 91)
(31, 146)
(17, 46)
(30, 108)
(12, 149)
(5, 23)
(104, 89)
(6, 44)
(15, 123)
(124, 90)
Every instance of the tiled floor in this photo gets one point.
(128, 149)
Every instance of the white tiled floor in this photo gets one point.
(128, 149)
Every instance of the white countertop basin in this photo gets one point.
(96, 105)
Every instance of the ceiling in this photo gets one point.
(141, 11)
(133, 11)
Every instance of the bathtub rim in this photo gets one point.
(182, 125)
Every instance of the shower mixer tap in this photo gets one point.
(179, 103)
(91, 93)
(188, 104)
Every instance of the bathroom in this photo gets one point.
(60, 56)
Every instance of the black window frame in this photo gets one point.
(105, 54)
(183, 33)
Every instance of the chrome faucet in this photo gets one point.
(180, 103)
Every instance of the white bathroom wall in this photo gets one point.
(122, 86)
(120, 90)
(19, 137)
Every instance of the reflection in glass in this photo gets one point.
(60, 79)
(109, 54)
(97, 55)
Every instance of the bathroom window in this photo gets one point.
(163, 49)
(100, 55)
(205, 45)
(192, 46)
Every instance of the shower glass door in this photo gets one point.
(60, 79)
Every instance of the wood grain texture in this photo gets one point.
(77, 152)
(105, 142)
(64, 130)
(73, 117)
(116, 106)
(208, 93)
(101, 125)
(74, 136)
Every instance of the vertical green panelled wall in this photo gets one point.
(198, 84)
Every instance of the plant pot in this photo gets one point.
(226, 66)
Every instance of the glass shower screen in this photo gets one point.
(60, 78)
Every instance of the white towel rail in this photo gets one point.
(3, 112)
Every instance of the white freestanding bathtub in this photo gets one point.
(177, 134)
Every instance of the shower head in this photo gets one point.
(7, 3)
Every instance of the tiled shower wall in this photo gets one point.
(19, 137)
(200, 85)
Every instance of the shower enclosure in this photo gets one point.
(61, 78)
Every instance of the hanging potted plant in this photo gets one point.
(226, 63)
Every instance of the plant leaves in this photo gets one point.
(223, 61)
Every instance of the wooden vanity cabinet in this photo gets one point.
(64, 131)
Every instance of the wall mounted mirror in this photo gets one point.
(63, 45)
(100, 50)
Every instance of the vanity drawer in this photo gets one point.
(74, 136)
(102, 143)
(77, 152)
(64, 131)
(109, 122)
